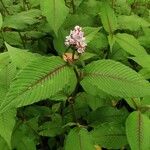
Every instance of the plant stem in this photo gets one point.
(73, 6)
(23, 43)
(73, 55)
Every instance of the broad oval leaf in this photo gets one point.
(23, 19)
(130, 44)
(79, 139)
(132, 22)
(109, 135)
(108, 18)
(115, 78)
(137, 130)
(20, 57)
(55, 12)
(107, 114)
(41, 79)
(7, 123)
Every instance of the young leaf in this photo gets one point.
(55, 12)
(115, 78)
(90, 33)
(138, 133)
(79, 139)
(109, 135)
(108, 18)
(130, 44)
(39, 80)
(20, 57)
(22, 20)
(7, 122)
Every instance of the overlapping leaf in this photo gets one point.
(115, 78)
(110, 135)
(22, 20)
(55, 12)
(41, 79)
(138, 133)
(108, 18)
(79, 139)
(130, 44)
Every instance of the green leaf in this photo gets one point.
(90, 33)
(132, 22)
(143, 61)
(4, 60)
(7, 122)
(1, 21)
(108, 18)
(145, 73)
(52, 128)
(109, 135)
(93, 101)
(115, 78)
(39, 80)
(55, 12)
(138, 133)
(3, 144)
(20, 57)
(107, 114)
(86, 56)
(79, 139)
(22, 20)
(130, 44)
(7, 73)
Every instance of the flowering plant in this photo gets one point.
(76, 39)
(89, 90)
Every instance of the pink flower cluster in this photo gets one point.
(76, 39)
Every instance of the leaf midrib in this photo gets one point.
(41, 79)
(112, 77)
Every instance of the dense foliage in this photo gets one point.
(91, 95)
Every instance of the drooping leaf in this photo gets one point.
(39, 80)
(130, 44)
(22, 20)
(20, 57)
(79, 139)
(137, 130)
(55, 12)
(132, 22)
(115, 78)
(109, 135)
(108, 18)
(107, 114)
(7, 122)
